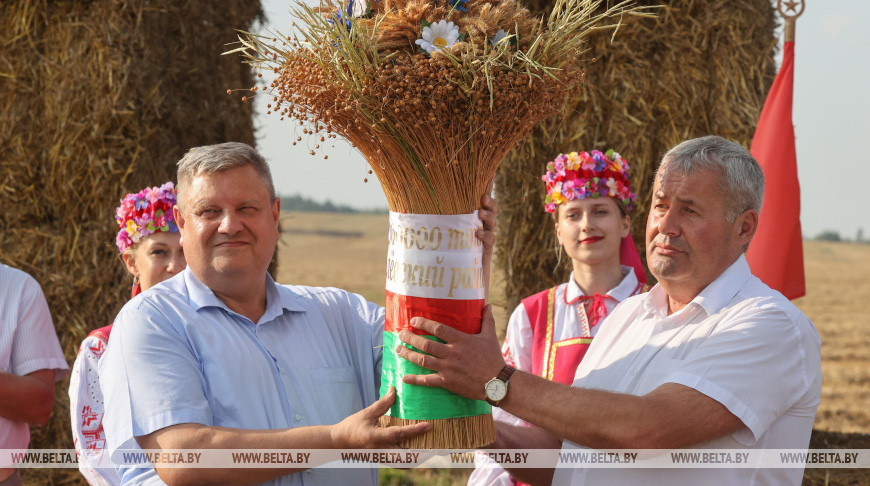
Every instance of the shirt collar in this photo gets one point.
(722, 290)
(624, 290)
(714, 296)
(656, 301)
(201, 296)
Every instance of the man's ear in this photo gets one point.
(276, 211)
(179, 218)
(180, 222)
(747, 225)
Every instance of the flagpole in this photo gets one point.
(790, 11)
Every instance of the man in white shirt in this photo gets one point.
(31, 362)
(709, 358)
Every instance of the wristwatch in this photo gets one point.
(496, 389)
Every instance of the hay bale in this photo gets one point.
(701, 67)
(101, 98)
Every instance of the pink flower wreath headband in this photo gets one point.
(594, 174)
(587, 174)
(145, 213)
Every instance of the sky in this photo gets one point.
(831, 116)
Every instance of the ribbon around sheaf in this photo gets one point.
(433, 271)
(435, 256)
(419, 402)
(464, 315)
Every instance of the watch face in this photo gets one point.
(496, 390)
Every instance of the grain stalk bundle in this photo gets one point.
(434, 94)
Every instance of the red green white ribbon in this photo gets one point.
(433, 271)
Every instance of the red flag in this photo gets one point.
(776, 252)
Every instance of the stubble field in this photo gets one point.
(349, 251)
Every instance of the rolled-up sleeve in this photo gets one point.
(756, 368)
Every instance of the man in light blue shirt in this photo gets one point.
(221, 357)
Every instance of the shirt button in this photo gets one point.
(634, 372)
(297, 417)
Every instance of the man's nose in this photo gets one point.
(230, 223)
(668, 223)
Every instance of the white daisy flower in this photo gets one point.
(501, 34)
(358, 7)
(438, 35)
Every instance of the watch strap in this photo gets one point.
(505, 373)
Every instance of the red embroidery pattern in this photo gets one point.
(508, 357)
(89, 416)
(98, 349)
(92, 429)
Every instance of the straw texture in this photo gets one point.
(471, 432)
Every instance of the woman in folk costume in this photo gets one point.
(150, 247)
(548, 334)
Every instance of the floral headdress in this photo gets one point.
(587, 174)
(145, 213)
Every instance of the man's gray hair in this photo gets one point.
(211, 159)
(742, 180)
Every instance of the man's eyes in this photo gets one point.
(212, 212)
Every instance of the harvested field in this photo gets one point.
(837, 301)
(315, 249)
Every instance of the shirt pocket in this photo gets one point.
(338, 393)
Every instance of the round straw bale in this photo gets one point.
(101, 98)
